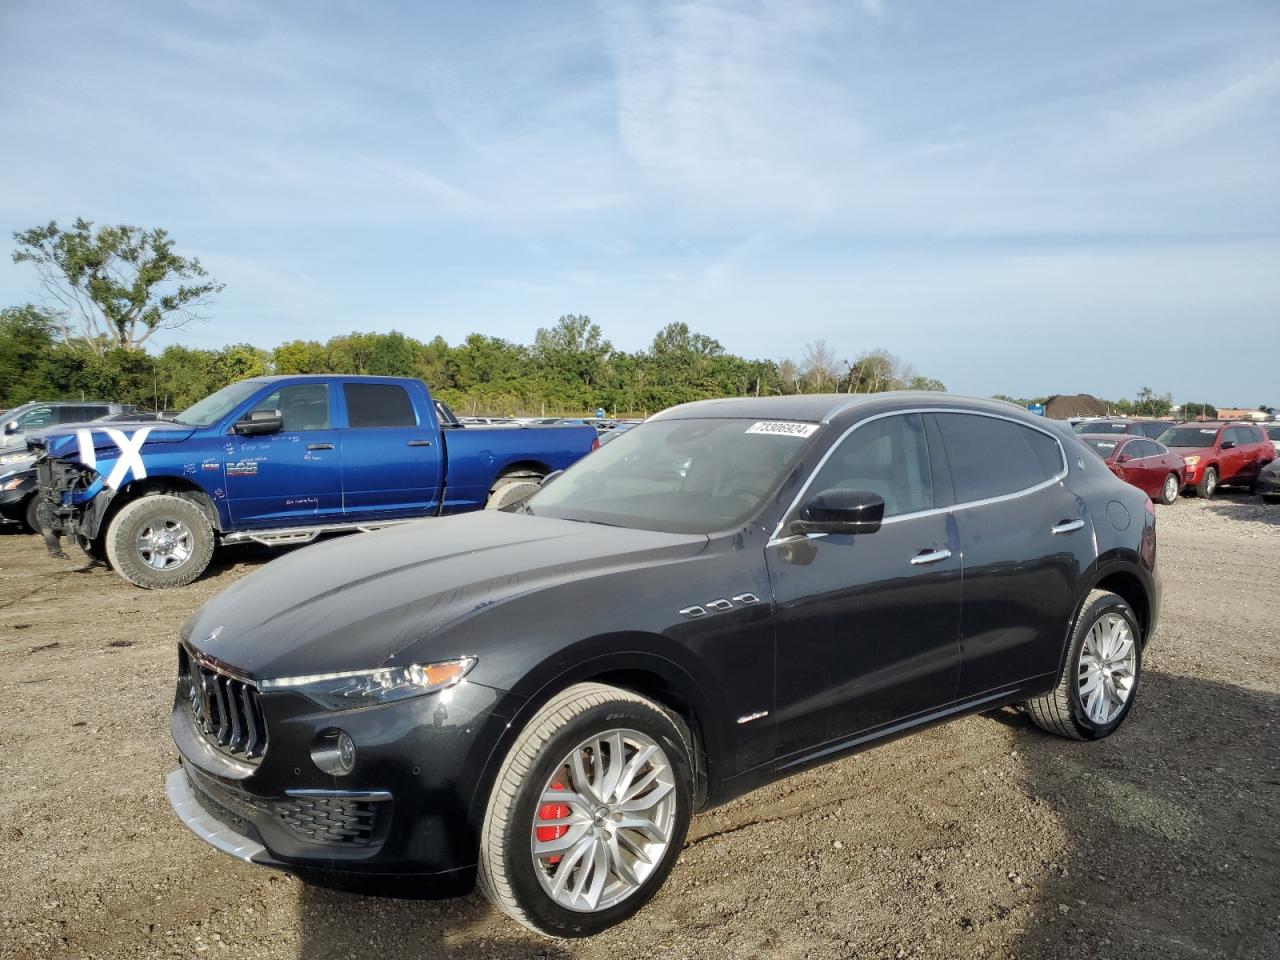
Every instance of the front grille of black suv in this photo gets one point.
(225, 708)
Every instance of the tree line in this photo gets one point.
(570, 368)
(109, 289)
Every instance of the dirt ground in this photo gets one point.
(984, 838)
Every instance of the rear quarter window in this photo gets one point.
(990, 457)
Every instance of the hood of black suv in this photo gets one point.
(355, 602)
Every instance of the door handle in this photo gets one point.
(319, 446)
(930, 556)
(1067, 526)
(419, 443)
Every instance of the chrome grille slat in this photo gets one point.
(226, 709)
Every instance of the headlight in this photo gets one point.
(1191, 461)
(366, 688)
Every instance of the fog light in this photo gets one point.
(334, 752)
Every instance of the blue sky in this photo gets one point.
(1014, 197)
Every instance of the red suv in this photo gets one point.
(1220, 453)
(1146, 464)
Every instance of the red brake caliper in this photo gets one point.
(552, 811)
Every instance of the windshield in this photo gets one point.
(1101, 426)
(1103, 448)
(1189, 436)
(678, 476)
(217, 405)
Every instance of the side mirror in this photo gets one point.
(11, 427)
(551, 476)
(259, 422)
(841, 511)
(1227, 445)
(1124, 458)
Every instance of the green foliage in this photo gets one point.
(1194, 411)
(26, 342)
(117, 285)
(571, 368)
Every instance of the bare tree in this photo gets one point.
(819, 365)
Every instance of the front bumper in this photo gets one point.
(219, 835)
(1269, 485)
(407, 809)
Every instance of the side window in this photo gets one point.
(1234, 435)
(378, 405)
(304, 406)
(38, 417)
(1140, 449)
(888, 457)
(991, 457)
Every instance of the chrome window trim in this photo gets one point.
(778, 535)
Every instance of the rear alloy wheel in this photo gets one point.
(1100, 679)
(1169, 492)
(1208, 484)
(588, 813)
(160, 541)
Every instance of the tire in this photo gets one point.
(1066, 709)
(511, 492)
(518, 882)
(155, 569)
(1170, 490)
(30, 513)
(1208, 484)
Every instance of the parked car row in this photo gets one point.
(1195, 457)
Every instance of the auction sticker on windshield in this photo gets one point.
(783, 428)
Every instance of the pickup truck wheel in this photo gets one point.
(588, 813)
(160, 541)
(1208, 484)
(1100, 679)
(508, 493)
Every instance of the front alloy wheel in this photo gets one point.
(588, 812)
(1169, 492)
(605, 822)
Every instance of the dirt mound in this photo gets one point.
(1061, 406)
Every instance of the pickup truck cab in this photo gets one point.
(279, 460)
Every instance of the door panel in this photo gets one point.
(1027, 542)
(291, 477)
(391, 462)
(865, 635)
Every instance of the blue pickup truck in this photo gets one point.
(279, 460)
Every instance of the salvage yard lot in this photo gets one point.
(982, 838)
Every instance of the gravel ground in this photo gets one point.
(984, 838)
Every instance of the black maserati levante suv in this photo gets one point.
(732, 592)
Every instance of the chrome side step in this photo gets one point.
(288, 535)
